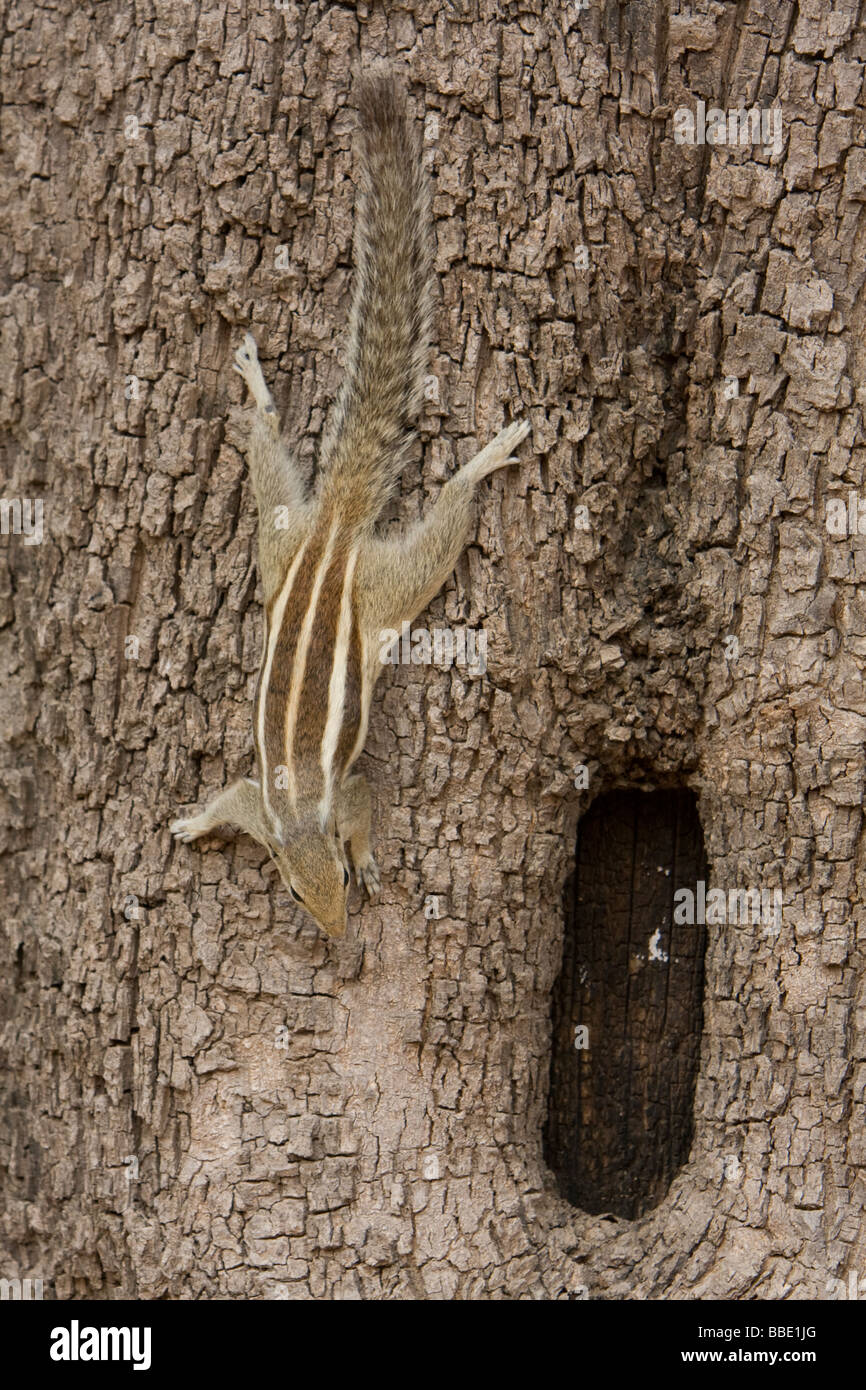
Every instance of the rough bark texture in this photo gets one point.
(204, 1097)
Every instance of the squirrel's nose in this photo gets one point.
(338, 927)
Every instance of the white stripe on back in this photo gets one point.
(337, 689)
(366, 694)
(273, 637)
(300, 666)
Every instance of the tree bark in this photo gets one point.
(202, 1096)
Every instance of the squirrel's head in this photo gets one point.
(313, 868)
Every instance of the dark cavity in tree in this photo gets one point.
(620, 1109)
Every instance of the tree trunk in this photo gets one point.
(206, 1098)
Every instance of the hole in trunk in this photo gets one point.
(628, 1005)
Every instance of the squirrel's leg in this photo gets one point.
(280, 489)
(400, 576)
(353, 824)
(240, 805)
(247, 365)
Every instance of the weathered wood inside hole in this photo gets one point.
(620, 1111)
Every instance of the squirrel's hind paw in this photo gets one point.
(498, 452)
(513, 435)
(187, 829)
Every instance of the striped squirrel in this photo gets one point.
(331, 583)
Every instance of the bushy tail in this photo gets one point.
(389, 325)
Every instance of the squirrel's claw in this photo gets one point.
(368, 876)
(246, 357)
(185, 830)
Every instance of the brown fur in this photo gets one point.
(392, 305)
(361, 456)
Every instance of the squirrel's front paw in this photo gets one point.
(367, 874)
(246, 362)
(247, 357)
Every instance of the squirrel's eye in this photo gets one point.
(297, 897)
(345, 876)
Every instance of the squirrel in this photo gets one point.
(331, 583)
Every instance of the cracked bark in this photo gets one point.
(203, 1097)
